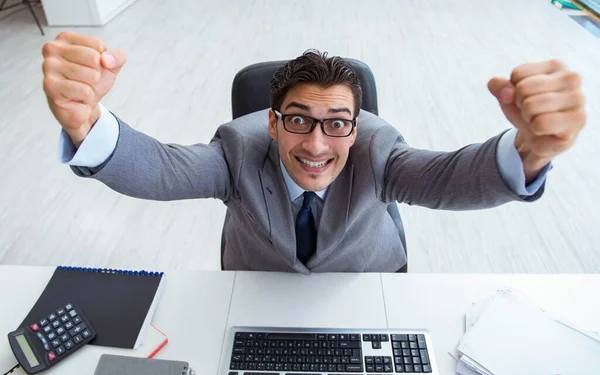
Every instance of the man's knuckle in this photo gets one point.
(64, 35)
(557, 64)
(572, 79)
(529, 104)
(517, 73)
(50, 49)
(539, 125)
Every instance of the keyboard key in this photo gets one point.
(47, 329)
(376, 344)
(51, 336)
(398, 360)
(52, 317)
(399, 368)
(55, 324)
(369, 360)
(366, 337)
(60, 331)
(354, 337)
(387, 360)
(43, 322)
(370, 368)
(384, 338)
(72, 313)
(55, 343)
(387, 368)
(61, 312)
(399, 338)
(238, 335)
(350, 344)
(378, 368)
(344, 337)
(426, 368)
(321, 336)
(354, 368)
(404, 345)
(64, 318)
(412, 337)
(69, 325)
(60, 350)
(69, 345)
(416, 360)
(69, 307)
(332, 337)
(85, 334)
(417, 368)
(408, 368)
(77, 339)
(424, 356)
(413, 345)
(422, 344)
(65, 337)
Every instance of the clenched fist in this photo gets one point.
(545, 103)
(78, 72)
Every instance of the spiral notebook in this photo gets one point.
(118, 303)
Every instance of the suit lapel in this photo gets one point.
(281, 222)
(334, 218)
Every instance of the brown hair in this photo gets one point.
(315, 67)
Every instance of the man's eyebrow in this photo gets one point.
(297, 105)
(307, 108)
(339, 110)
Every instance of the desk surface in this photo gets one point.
(206, 304)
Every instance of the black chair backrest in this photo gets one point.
(251, 90)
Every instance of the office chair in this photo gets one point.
(251, 92)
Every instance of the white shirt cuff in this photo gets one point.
(96, 148)
(511, 166)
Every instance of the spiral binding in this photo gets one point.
(110, 271)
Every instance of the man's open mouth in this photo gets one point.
(314, 164)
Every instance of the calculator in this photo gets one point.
(52, 338)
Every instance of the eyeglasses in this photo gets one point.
(301, 124)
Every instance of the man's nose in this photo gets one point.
(316, 142)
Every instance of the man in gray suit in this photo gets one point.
(308, 181)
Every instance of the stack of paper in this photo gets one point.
(508, 335)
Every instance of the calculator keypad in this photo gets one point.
(61, 331)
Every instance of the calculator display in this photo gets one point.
(33, 362)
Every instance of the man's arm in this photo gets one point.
(143, 167)
(465, 179)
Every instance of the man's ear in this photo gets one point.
(273, 124)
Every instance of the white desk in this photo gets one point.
(197, 308)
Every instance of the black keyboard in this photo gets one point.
(268, 351)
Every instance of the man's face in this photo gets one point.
(314, 160)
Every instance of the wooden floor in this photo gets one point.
(431, 59)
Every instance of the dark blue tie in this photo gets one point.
(306, 232)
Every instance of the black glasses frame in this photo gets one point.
(282, 117)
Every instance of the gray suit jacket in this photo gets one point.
(240, 166)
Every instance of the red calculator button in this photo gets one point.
(51, 356)
(34, 327)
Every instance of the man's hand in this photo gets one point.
(544, 102)
(78, 72)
